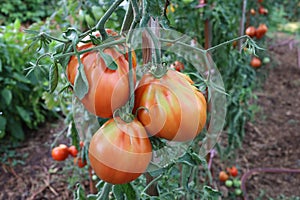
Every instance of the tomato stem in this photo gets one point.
(104, 18)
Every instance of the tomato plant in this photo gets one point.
(174, 109)
(120, 152)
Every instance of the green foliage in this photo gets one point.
(25, 10)
(20, 95)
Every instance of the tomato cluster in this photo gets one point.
(62, 152)
(168, 106)
(229, 178)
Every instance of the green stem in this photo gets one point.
(131, 81)
(53, 38)
(102, 46)
(155, 41)
(153, 181)
(227, 42)
(104, 18)
(128, 19)
(105, 192)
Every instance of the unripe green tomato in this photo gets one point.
(236, 183)
(94, 177)
(229, 183)
(266, 60)
(237, 191)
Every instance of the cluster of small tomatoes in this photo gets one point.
(62, 152)
(229, 178)
(257, 32)
(167, 106)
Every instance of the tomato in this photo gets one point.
(223, 176)
(250, 31)
(178, 66)
(228, 183)
(81, 144)
(60, 153)
(79, 162)
(252, 11)
(73, 151)
(120, 152)
(175, 109)
(260, 1)
(261, 31)
(108, 89)
(255, 62)
(262, 10)
(233, 171)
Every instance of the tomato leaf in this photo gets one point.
(73, 134)
(79, 193)
(7, 96)
(109, 61)
(81, 85)
(124, 191)
(53, 77)
(186, 173)
(2, 126)
(72, 35)
(209, 193)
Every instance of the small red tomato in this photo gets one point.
(250, 31)
(223, 176)
(81, 144)
(178, 66)
(262, 10)
(252, 11)
(79, 162)
(60, 153)
(233, 171)
(255, 62)
(73, 151)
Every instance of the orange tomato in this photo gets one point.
(60, 153)
(175, 110)
(255, 62)
(223, 176)
(120, 152)
(250, 31)
(73, 151)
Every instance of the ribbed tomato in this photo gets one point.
(120, 152)
(175, 109)
(108, 89)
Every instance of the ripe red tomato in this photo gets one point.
(261, 30)
(262, 10)
(260, 1)
(223, 176)
(250, 31)
(60, 153)
(108, 89)
(178, 66)
(79, 163)
(233, 171)
(255, 62)
(175, 110)
(73, 151)
(120, 152)
(81, 144)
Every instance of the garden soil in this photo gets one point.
(272, 141)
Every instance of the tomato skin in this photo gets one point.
(120, 152)
(261, 30)
(178, 66)
(233, 171)
(250, 31)
(223, 176)
(176, 110)
(108, 89)
(73, 151)
(255, 62)
(60, 152)
(79, 162)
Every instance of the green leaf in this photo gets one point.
(2, 126)
(24, 114)
(185, 175)
(109, 61)
(210, 194)
(124, 192)
(53, 77)
(79, 193)
(20, 77)
(16, 130)
(81, 85)
(7, 96)
(17, 24)
(73, 134)
(72, 35)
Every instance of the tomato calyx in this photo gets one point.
(158, 70)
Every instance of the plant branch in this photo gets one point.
(153, 181)
(127, 19)
(104, 18)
